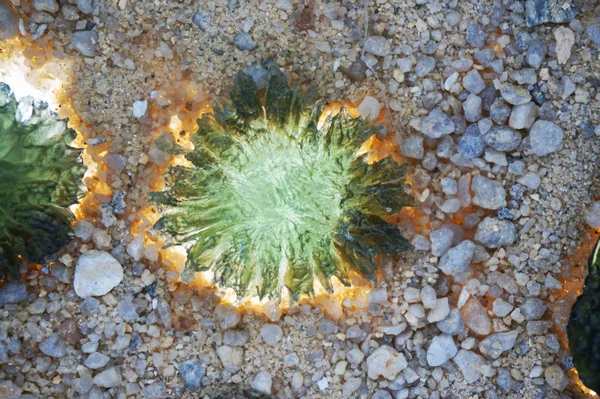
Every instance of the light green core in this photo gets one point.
(284, 191)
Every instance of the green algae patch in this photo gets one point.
(273, 200)
(40, 175)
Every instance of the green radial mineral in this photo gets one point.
(274, 201)
(583, 329)
(40, 177)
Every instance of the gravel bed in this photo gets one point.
(495, 105)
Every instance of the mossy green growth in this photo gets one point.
(583, 329)
(274, 201)
(40, 177)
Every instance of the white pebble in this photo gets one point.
(140, 108)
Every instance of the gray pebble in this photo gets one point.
(271, 334)
(475, 35)
(523, 40)
(473, 82)
(202, 20)
(567, 87)
(46, 5)
(523, 116)
(471, 144)
(227, 316)
(192, 372)
(525, 76)
(430, 100)
(485, 57)
(462, 65)
(96, 360)
(494, 345)
(531, 180)
(453, 324)
(412, 147)
(593, 31)
(425, 64)
(445, 147)
(127, 311)
(61, 272)
(377, 45)
(489, 194)
(85, 42)
(450, 206)
(496, 157)
(13, 292)
(457, 259)
(535, 53)
(516, 167)
(501, 308)
(472, 108)
(235, 337)
(441, 240)
(533, 308)
(53, 346)
(502, 138)
(85, 6)
(556, 377)
(500, 111)
(514, 95)
(453, 18)
(90, 306)
(244, 41)
(545, 137)
(494, 233)
(405, 64)
(155, 390)
(449, 186)
(441, 349)
(488, 95)
(504, 380)
(538, 12)
(475, 317)
(437, 124)
(37, 307)
(460, 124)
(292, 360)
(355, 356)
(538, 327)
(83, 385)
(547, 111)
(430, 161)
(8, 23)
(381, 394)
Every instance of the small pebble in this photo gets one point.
(244, 41)
(96, 273)
(545, 138)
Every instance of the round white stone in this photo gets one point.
(96, 273)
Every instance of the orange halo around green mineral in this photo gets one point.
(273, 200)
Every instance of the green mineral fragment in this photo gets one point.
(40, 177)
(274, 201)
(583, 329)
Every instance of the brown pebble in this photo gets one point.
(306, 19)
(356, 71)
(69, 330)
